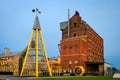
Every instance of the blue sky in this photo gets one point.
(16, 22)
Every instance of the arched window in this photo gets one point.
(76, 62)
(70, 62)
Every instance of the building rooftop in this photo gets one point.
(9, 55)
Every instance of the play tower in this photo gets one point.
(34, 59)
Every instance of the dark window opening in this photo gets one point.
(64, 47)
(64, 62)
(70, 46)
(76, 46)
(74, 34)
(75, 24)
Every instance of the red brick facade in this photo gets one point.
(83, 48)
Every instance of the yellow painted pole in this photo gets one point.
(45, 53)
(36, 52)
(28, 48)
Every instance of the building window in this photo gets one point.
(75, 24)
(76, 62)
(70, 47)
(70, 62)
(74, 34)
(64, 47)
(64, 62)
(89, 51)
(70, 71)
(76, 46)
(64, 71)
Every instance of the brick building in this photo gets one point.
(9, 62)
(84, 47)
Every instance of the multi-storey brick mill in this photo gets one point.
(80, 46)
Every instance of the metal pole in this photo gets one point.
(45, 53)
(28, 48)
(68, 23)
(37, 52)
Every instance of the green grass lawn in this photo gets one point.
(81, 78)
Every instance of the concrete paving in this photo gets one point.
(11, 77)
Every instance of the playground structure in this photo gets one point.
(34, 60)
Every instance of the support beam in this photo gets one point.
(36, 52)
(45, 53)
(28, 48)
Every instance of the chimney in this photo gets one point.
(6, 51)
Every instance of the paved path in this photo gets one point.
(11, 77)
